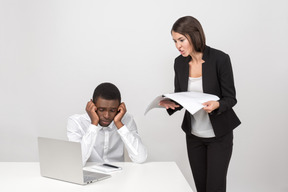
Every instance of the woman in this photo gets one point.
(209, 132)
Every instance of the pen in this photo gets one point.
(108, 165)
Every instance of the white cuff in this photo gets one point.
(123, 130)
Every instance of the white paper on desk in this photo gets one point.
(103, 169)
(191, 101)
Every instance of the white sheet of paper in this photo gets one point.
(102, 169)
(191, 101)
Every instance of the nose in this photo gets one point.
(178, 45)
(106, 115)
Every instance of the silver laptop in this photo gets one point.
(62, 160)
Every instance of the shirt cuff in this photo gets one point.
(123, 130)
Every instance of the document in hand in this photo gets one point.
(191, 101)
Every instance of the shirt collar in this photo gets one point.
(111, 126)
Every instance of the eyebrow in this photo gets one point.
(107, 108)
(179, 38)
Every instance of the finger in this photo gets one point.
(123, 107)
(120, 107)
(93, 108)
(89, 106)
(206, 103)
(170, 107)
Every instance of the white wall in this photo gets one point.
(54, 53)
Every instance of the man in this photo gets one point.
(106, 129)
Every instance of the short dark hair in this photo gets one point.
(107, 91)
(190, 26)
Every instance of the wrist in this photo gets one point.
(118, 124)
(218, 104)
(94, 123)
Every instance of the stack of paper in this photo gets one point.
(191, 101)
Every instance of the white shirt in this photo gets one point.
(106, 144)
(201, 124)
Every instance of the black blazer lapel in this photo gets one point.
(182, 74)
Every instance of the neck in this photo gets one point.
(196, 56)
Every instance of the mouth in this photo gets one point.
(105, 123)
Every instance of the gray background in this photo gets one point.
(54, 53)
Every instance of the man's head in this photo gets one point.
(107, 99)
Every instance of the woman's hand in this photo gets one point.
(168, 104)
(210, 106)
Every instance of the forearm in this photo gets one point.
(86, 139)
(135, 148)
(226, 79)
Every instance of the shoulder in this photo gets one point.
(218, 59)
(127, 118)
(79, 117)
(181, 62)
(213, 53)
(181, 59)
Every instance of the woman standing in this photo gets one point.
(209, 132)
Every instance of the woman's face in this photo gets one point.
(182, 44)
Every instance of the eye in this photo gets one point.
(181, 40)
(100, 109)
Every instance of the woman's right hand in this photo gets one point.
(168, 104)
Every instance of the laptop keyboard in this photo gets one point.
(88, 176)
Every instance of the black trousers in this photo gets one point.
(209, 160)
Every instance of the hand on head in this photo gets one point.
(91, 110)
(106, 114)
(121, 112)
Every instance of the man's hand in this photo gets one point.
(121, 112)
(91, 110)
(210, 106)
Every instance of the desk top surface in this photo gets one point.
(150, 176)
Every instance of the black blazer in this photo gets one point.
(217, 78)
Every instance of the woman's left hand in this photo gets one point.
(210, 106)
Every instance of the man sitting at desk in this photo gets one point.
(106, 128)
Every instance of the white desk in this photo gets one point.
(147, 177)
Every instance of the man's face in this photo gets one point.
(106, 110)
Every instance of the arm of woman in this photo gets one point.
(226, 81)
